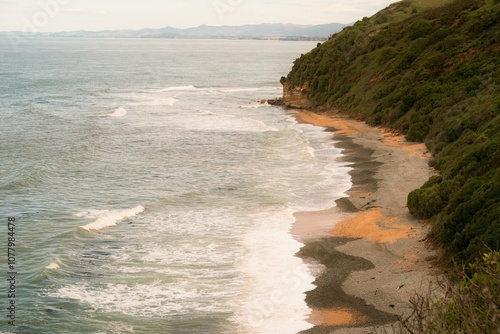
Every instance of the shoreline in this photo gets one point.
(372, 249)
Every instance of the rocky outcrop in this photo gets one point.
(274, 102)
(297, 97)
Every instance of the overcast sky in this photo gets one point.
(67, 15)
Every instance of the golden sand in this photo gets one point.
(373, 226)
(334, 317)
(345, 126)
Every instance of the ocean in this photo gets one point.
(152, 191)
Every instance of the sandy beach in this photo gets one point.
(373, 251)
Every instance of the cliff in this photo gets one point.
(297, 97)
(431, 73)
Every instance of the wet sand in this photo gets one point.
(372, 249)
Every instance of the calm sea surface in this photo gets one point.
(152, 192)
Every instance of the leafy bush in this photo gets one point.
(420, 28)
(433, 75)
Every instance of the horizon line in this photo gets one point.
(198, 26)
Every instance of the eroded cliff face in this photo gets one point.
(297, 97)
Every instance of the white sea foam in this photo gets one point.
(254, 105)
(149, 101)
(334, 180)
(216, 221)
(170, 102)
(53, 265)
(188, 253)
(310, 151)
(107, 218)
(150, 300)
(246, 89)
(277, 285)
(226, 122)
(118, 112)
(129, 300)
(116, 328)
(205, 112)
(174, 89)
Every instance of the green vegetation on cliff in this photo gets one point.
(433, 74)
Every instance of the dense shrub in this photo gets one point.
(433, 75)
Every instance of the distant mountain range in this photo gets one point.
(254, 31)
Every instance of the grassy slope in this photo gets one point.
(433, 74)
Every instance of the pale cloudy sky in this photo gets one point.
(67, 15)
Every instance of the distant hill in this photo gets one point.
(255, 31)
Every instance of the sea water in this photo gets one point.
(152, 191)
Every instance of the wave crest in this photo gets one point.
(119, 112)
(107, 218)
(175, 89)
